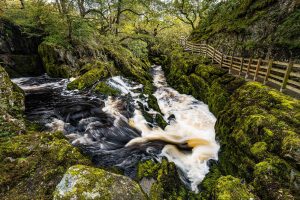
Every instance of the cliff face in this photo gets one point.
(18, 51)
(257, 28)
(11, 106)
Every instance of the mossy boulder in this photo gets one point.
(166, 182)
(265, 123)
(11, 106)
(129, 65)
(32, 164)
(84, 182)
(57, 61)
(100, 71)
(228, 187)
(256, 124)
(273, 177)
(152, 103)
(105, 89)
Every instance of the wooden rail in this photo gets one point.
(284, 75)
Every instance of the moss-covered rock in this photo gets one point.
(254, 123)
(129, 65)
(167, 184)
(32, 164)
(273, 177)
(105, 89)
(83, 182)
(256, 28)
(11, 106)
(152, 103)
(100, 71)
(57, 61)
(228, 187)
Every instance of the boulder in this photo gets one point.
(84, 182)
(11, 106)
(32, 164)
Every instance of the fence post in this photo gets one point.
(231, 63)
(248, 67)
(192, 49)
(287, 75)
(205, 50)
(268, 71)
(257, 69)
(241, 67)
(213, 58)
(222, 60)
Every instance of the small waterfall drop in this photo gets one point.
(113, 130)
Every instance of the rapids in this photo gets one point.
(113, 131)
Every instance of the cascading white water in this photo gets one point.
(109, 133)
(193, 126)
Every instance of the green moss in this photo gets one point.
(49, 54)
(209, 182)
(103, 88)
(290, 147)
(83, 182)
(152, 103)
(259, 149)
(129, 65)
(36, 161)
(98, 72)
(147, 169)
(228, 187)
(254, 121)
(160, 121)
(272, 178)
(11, 106)
(164, 173)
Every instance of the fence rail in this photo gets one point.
(286, 75)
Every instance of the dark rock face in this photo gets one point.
(256, 28)
(18, 51)
(62, 62)
(11, 106)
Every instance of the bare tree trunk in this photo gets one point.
(58, 6)
(118, 18)
(65, 13)
(81, 7)
(22, 4)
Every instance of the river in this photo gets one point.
(113, 131)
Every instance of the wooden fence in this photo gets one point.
(285, 75)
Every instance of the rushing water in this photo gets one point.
(113, 130)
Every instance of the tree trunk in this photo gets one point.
(22, 4)
(81, 7)
(118, 18)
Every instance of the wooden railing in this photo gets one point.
(284, 75)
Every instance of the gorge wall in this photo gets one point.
(18, 50)
(257, 28)
(257, 127)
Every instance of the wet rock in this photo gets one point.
(83, 182)
(18, 51)
(164, 180)
(11, 106)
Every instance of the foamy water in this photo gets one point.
(116, 135)
(193, 126)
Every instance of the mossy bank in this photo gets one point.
(257, 127)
